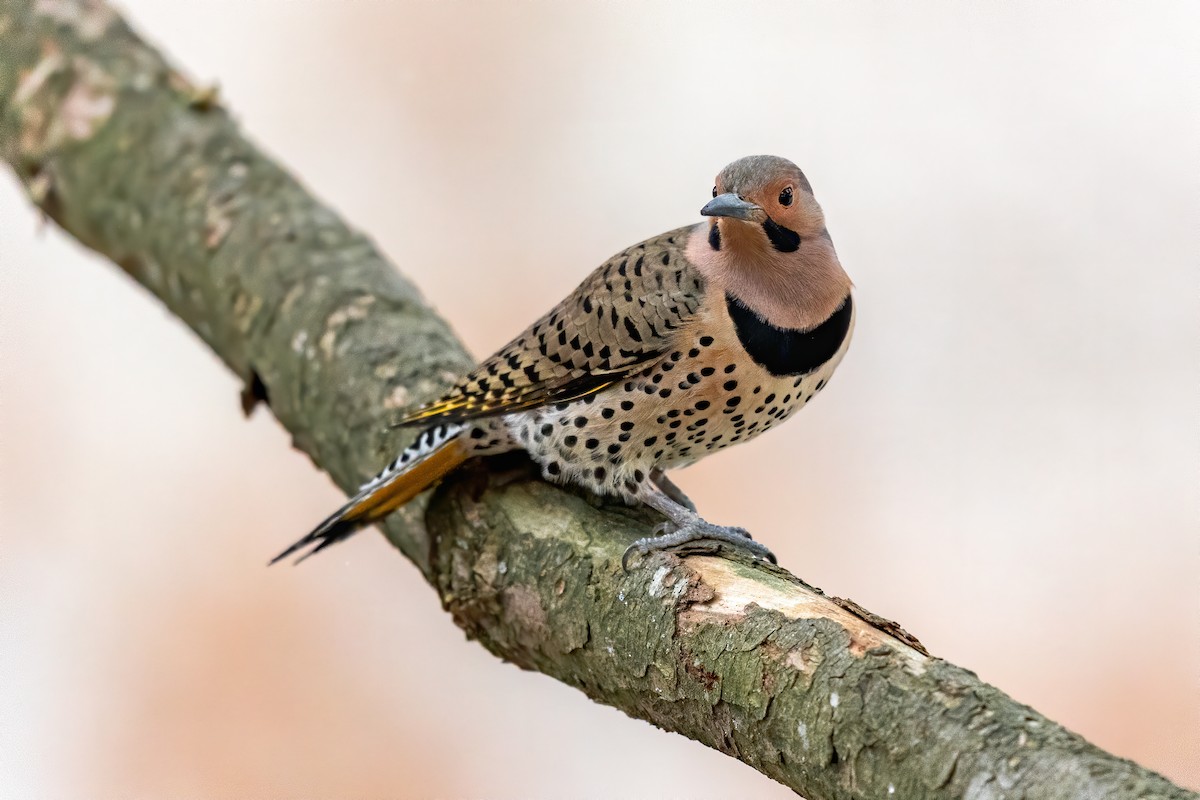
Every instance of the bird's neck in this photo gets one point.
(797, 290)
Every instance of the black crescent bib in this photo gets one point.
(784, 351)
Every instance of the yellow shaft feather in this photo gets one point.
(393, 493)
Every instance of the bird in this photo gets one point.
(685, 344)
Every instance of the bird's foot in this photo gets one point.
(671, 490)
(697, 536)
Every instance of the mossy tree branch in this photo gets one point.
(137, 163)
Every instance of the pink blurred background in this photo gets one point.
(1006, 463)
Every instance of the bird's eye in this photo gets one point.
(785, 197)
(714, 191)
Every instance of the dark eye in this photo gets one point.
(714, 191)
(785, 197)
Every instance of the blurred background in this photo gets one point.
(1007, 462)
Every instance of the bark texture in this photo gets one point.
(129, 157)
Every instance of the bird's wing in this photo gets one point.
(622, 317)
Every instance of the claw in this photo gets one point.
(685, 539)
(628, 552)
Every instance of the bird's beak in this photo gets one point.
(730, 205)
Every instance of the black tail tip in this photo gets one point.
(328, 533)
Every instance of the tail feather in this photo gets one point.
(431, 458)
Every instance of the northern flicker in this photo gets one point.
(683, 345)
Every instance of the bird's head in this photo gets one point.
(766, 242)
(762, 201)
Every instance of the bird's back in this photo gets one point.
(620, 318)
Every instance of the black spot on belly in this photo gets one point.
(783, 351)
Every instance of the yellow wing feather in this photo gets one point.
(623, 317)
